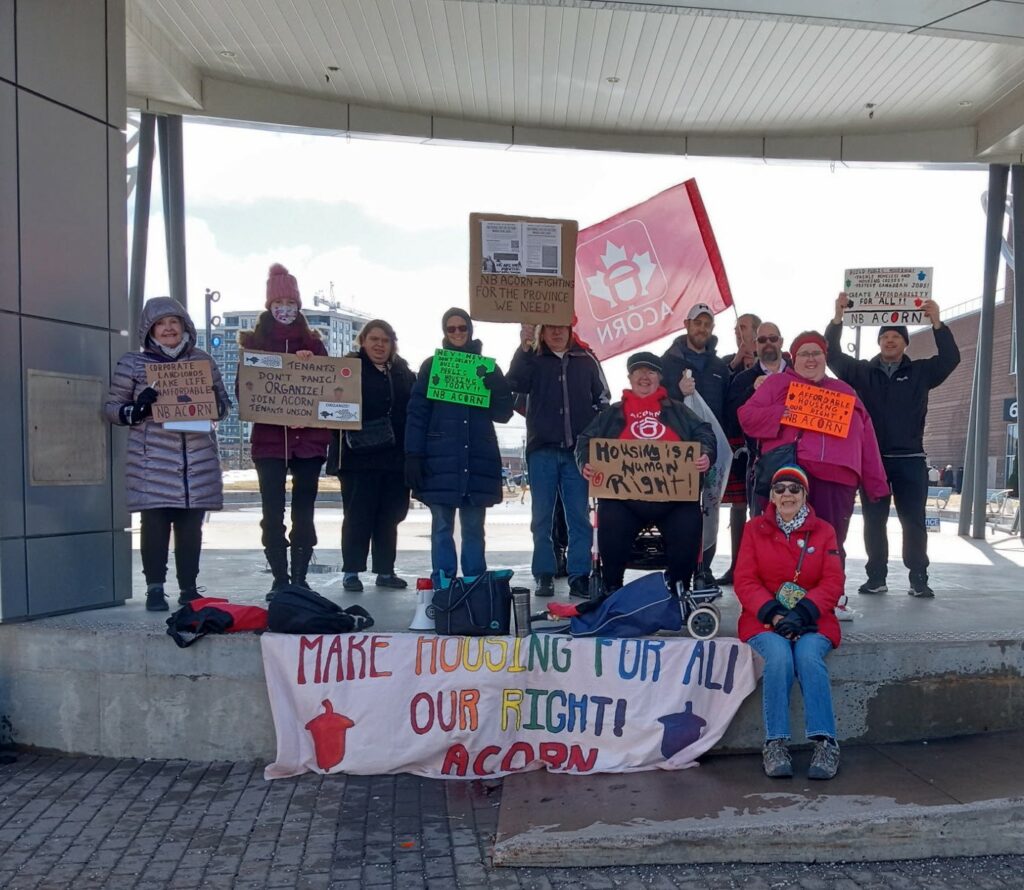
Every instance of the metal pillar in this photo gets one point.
(997, 177)
(140, 229)
(967, 483)
(172, 179)
(1017, 181)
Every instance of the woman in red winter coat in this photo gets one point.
(276, 450)
(788, 579)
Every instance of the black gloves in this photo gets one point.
(792, 626)
(488, 378)
(133, 413)
(414, 471)
(801, 619)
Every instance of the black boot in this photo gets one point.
(278, 559)
(300, 562)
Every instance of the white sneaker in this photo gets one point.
(843, 610)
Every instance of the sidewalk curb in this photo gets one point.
(985, 828)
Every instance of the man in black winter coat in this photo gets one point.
(894, 389)
(565, 389)
(709, 376)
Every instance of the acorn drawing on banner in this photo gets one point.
(681, 730)
(328, 731)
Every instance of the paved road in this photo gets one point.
(86, 822)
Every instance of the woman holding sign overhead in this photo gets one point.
(838, 461)
(172, 477)
(370, 461)
(647, 413)
(452, 460)
(278, 450)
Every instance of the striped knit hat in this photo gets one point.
(791, 473)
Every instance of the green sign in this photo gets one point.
(459, 377)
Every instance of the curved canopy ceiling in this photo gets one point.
(875, 81)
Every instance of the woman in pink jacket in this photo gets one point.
(837, 466)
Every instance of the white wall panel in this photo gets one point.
(8, 200)
(7, 39)
(62, 52)
(12, 468)
(63, 213)
(70, 572)
(117, 235)
(73, 350)
(117, 100)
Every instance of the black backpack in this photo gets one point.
(296, 610)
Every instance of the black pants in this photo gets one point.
(908, 478)
(375, 502)
(155, 542)
(272, 472)
(619, 522)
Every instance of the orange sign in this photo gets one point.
(820, 410)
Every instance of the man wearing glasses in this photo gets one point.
(770, 359)
(894, 388)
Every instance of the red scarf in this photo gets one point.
(643, 416)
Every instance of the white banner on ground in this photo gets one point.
(467, 707)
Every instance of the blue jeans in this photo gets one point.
(551, 470)
(803, 660)
(442, 541)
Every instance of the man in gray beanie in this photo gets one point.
(894, 388)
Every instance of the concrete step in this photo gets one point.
(956, 797)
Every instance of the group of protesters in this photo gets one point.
(446, 455)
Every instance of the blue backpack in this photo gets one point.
(637, 609)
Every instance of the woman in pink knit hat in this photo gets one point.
(278, 450)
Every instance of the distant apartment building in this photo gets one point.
(338, 328)
(945, 434)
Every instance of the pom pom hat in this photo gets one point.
(281, 285)
(791, 473)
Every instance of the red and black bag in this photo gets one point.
(213, 615)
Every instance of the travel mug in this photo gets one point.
(521, 610)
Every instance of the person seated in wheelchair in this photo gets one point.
(647, 412)
(788, 579)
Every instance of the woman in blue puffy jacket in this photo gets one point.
(452, 460)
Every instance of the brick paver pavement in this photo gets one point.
(89, 822)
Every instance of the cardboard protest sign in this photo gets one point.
(644, 470)
(285, 390)
(186, 390)
(818, 409)
(468, 707)
(886, 296)
(458, 377)
(521, 268)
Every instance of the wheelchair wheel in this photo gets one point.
(703, 623)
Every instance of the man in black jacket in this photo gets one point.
(709, 376)
(894, 389)
(565, 390)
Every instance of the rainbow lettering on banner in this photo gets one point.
(465, 707)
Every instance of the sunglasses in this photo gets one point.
(783, 487)
(763, 340)
(457, 328)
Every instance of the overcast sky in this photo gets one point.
(387, 223)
